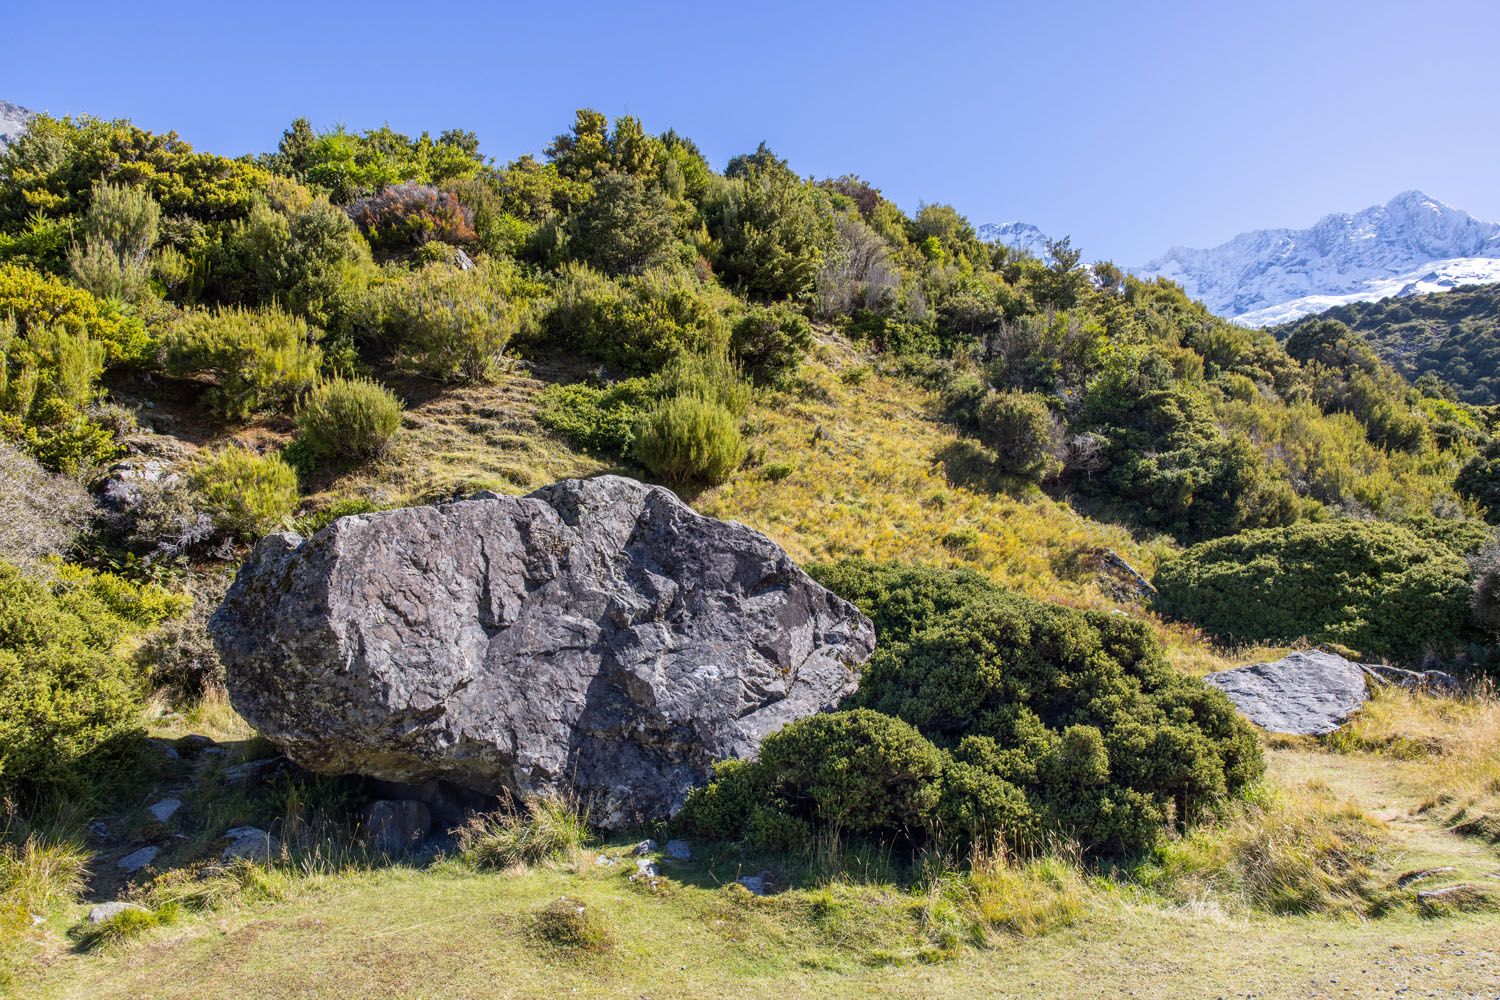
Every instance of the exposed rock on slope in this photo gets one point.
(1309, 693)
(597, 636)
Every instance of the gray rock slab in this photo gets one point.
(105, 911)
(1308, 693)
(136, 860)
(165, 809)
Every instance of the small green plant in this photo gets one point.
(125, 925)
(547, 827)
(246, 494)
(567, 923)
(688, 438)
(351, 418)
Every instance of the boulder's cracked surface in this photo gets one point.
(596, 637)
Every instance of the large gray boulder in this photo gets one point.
(1309, 693)
(596, 637)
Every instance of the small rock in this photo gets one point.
(194, 741)
(250, 843)
(136, 860)
(647, 868)
(643, 848)
(164, 748)
(99, 830)
(104, 911)
(758, 885)
(395, 825)
(679, 850)
(1408, 878)
(247, 770)
(165, 809)
(37, 920)
(1430, 681)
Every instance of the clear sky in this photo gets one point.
(1129, 125)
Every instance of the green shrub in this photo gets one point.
(567, 923)
(688, 438)
(639, 323)
(348, 418)
(1020, 429)
(1479, 481)
(1371, 586)
(770, 342)
(67, 696)
(601, 419)
(119, 231)
(985, 715)
(48, 390)
(260, 359)
(454, 324)
(246, 494)
(35, 299)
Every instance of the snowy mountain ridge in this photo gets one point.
(13, 121)
(1021, 236)
(1411, 244)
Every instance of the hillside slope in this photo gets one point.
(1454, 334)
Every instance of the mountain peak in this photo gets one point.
(1413, 241)
(13, 122)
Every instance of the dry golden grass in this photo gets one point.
(1456, 741)
(851, 465)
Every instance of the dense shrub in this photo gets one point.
(454, 324)
(626, 227)
(41, 513)
(987, 714)
(1374, 587)
(690, 439)
(66, 695)
(403, 217)
(771, 235)
(1022, 432)
(601, 419)
(38, 300)
(348, 418)
(770, 342)
(246, 494)
(639, 323)
(260, 360)
(119, 231)
(1479, 481)
(49, 379)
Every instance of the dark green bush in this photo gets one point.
(1374, 587)
(348, 418)
(986, 714)
(601, 419)
(1021, 430)
(770, 341)
(66, 692)
(638, 323)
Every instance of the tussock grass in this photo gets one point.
(211, 715)
(123, 926)
(213, 886)
(39, 873)
(567, 923)
(1027, 898)
(545, 828)
(1298, 851)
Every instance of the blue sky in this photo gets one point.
(1130, 126)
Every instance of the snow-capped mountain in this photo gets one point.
(13, 121)
(1021, 236)
(1409, 245)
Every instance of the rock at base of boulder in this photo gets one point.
(396, 825)
(136, 860)
(1309, 693)
(250, 843)
(679, 850)
(596, 638)
(1428, 681)
(105, 911)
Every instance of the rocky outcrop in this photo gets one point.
(1309, 693)
(596, 637)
